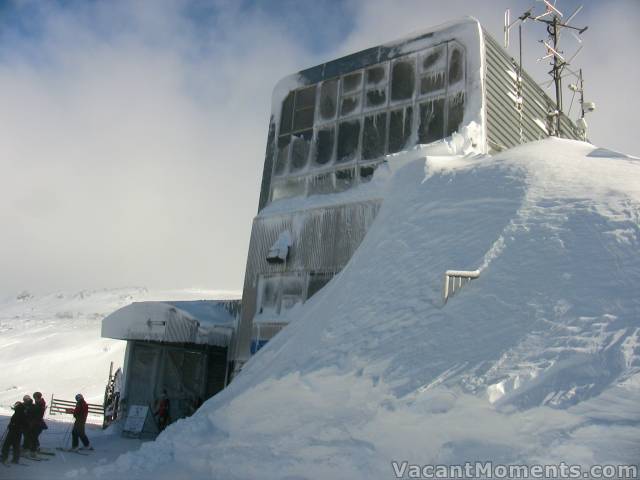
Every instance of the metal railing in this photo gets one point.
(454, 280)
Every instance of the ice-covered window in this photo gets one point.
(305, 104)
(344, 179)
(328, 99)
(321, 184)
(351, 94)
(366, 173)
(432, 70)
(431, 127)
(300, 149)
(317, 280)
(269, 295)
(348, 140)
(282, 157)
(374, 136)
(403, 80)
(400, 123)
(325, 140)
(289, 187)
(456, 112)
(292, 291)
(376, 86)
(286, 115)
(456, 66)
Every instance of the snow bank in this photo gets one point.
(537, 360)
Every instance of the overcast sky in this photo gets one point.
(132, 134)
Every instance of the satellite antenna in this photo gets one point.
(554, 20)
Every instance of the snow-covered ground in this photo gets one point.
(535, 362)
(52, 343)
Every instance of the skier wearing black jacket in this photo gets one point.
(16, 427)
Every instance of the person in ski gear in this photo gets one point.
(80, 413)
(39, 424)
(163, 411)
(15, 429)
(30, 415)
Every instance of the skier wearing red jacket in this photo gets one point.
(80, 414)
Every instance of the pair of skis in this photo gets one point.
(72, 450)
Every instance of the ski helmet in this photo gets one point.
(37, 395)
(27, 399)
(79, 397)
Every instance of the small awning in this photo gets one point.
(208, 322)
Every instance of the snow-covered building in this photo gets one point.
(182, 347)
(333, 125)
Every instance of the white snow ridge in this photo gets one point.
(536, 361)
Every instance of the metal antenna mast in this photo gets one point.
(552, 18)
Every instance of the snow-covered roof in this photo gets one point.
(210, 322)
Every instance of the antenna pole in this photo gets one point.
(557, 68)
(581, 94)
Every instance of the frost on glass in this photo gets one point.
(282, 156)
(431, 82)
(292, 291)
(300, 146)
(348, 138)
(351, 82)
(456, 71)
(456, 112)
(374, 136)
(402, 80)
(316, 282)
(269, 290)
(366, 173)
(305, 103)
(350, 105)
(376, 75)
(376, 97)
(431, 126)
(328, 99)
(325, 139)
(400, 122)
(321, 184)
(344, 179)
(432, 59)
(286, 115)
(288, 188)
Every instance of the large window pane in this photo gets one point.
(303, 119)
(300, 150)
(400, 122)
(316, 282)
(374, 136)
(344, 179)
(366, 173)
(350, 105)
(269, 293)
(282, 155)
(376, 75)
(328, 99)
(351, 82)
(348, 138)
(321, 184)
(456, 68)
(376, 97)
(286, 115)
(292, 291)
(291, 187)
(433, 60)
(324, 145)
(306, 97)
(305, 104)
(456, 112)
(431, 121)
(431, 82)
(402, 80)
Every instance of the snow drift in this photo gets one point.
(536, 361)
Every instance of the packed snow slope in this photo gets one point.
(536, 361)
(52, 343)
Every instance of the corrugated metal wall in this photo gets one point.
(324, 239)
(503, 118)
